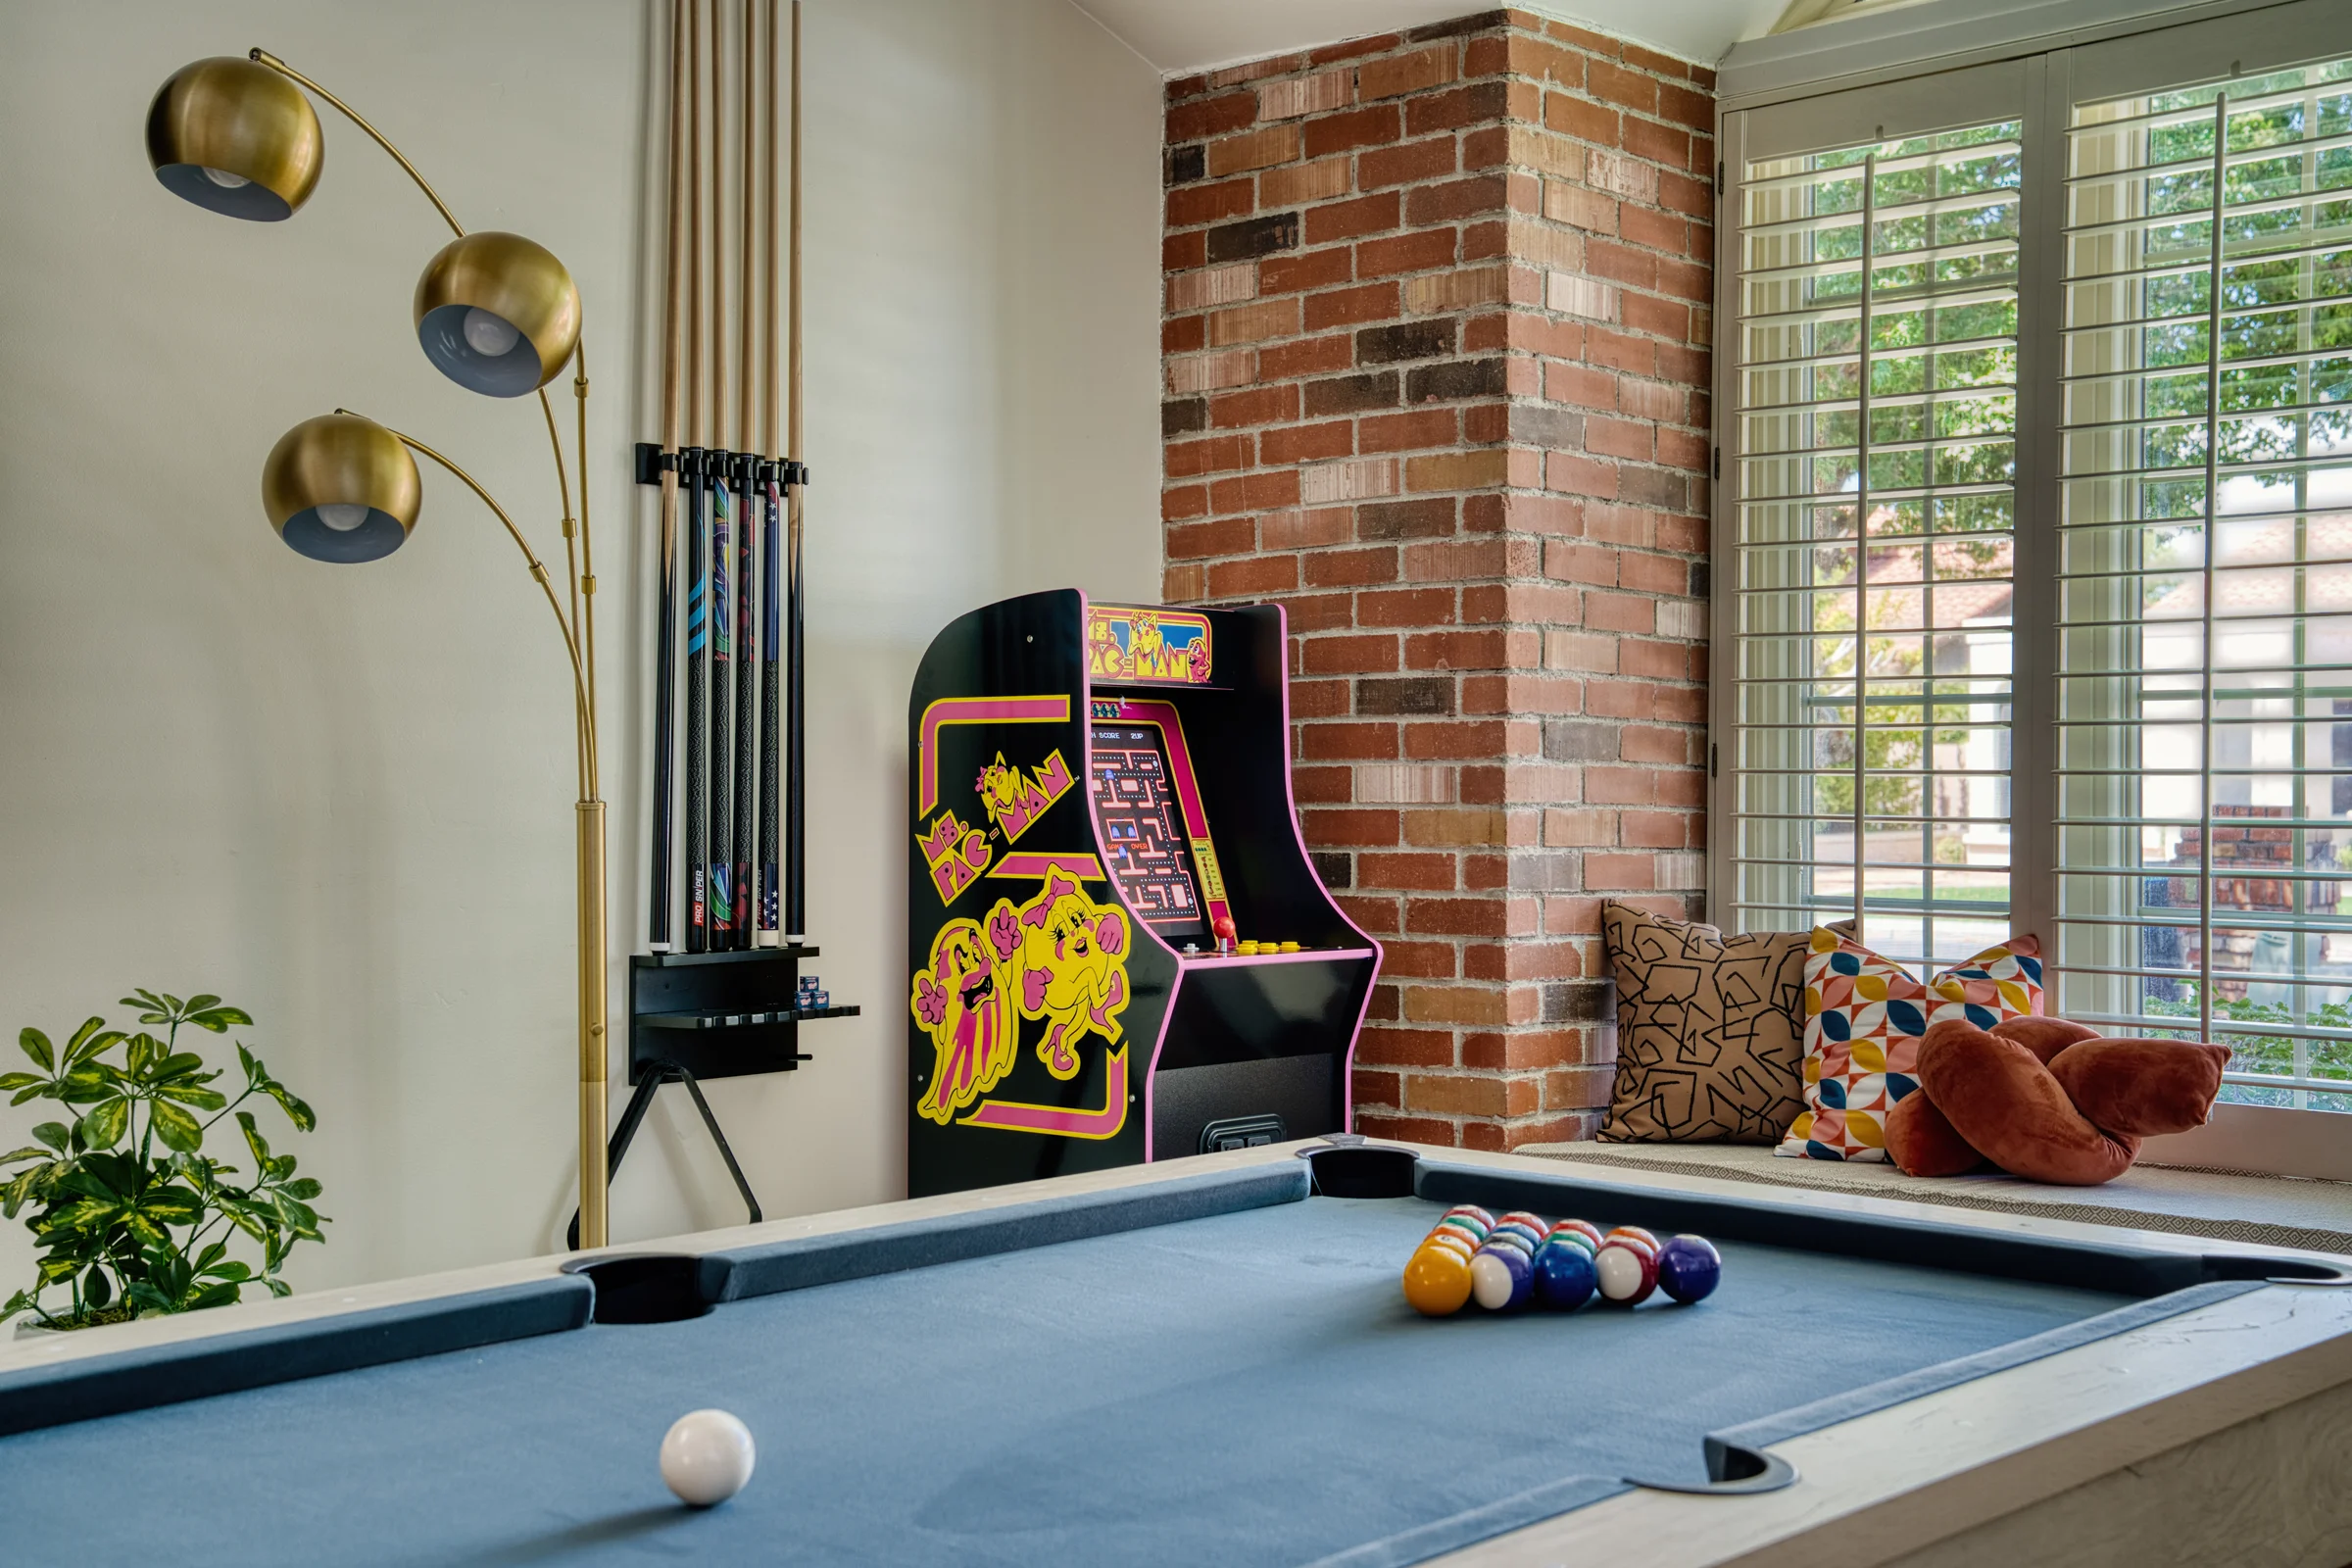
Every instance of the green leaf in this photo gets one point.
(201, 1000)
(98, 1290)
(278, 1287)
(253, 1139)
(29, 1151)
(211, 1256)
(144, 1051)
(36, 1091)
(223, 1294)
(182, 1065)
(174, 1126)
(55, 1134)
(230, 1270)
(105, 1126)
(220, 1020)
(304, 1188)
(299, 1218)
(36, 1044)
(17, 1080)
(300, 1114)
(172, 1205)
(201, 1098)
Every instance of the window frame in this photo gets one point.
(1768, 111)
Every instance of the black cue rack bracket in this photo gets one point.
(699, 1015)
(653, 461)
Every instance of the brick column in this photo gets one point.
(1437, 368)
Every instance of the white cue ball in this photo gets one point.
(706, 1458)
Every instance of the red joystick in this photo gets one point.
(1222, 925)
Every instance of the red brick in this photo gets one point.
(1358, 827)
(1276, 144)
(1308, 613)
(1185, 501)
(1463, 106)
(1186, 458)
(1668, 146)
(1433, 874)
(1303, 529)
(1310, 357)
(1210, 117)
(1403, 432)
(1586, 121)
(1250, 323)
(1408, 1047)
(1686, 450)
(1254, 492)
(1688, 281)
(1366, 215)
(1584, 38)
(1462, 650)
(1621, 351)
(1684, 194)
(1182, 585)
(1318, 699)
(1626, 89)
(1361, 655)
(1407, 1129)
(1462, 917)
(1361, 127)
(1405, 162)
(1666, 318)
(1403, 74)
(1259, 405)
(1419, 961)
(1621, 263)
(1407, 253)
(1344, 307)
(1190, 204)
(1306, 443)
(1228, 536)
(1456, 199)
(1304, 270)
(1356, 568)
(1663, 231)
(1181, 334)
(1180, 251)
(1586, 210)
(1407, 606)
(1266, 574)
(1580, 385)
(1575, 475)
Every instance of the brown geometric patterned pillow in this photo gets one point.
(1711, 1031)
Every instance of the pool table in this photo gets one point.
(1210, 1361)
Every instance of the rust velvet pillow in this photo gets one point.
(1709, 1041)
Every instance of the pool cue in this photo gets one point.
(665, 652)
(698, 822)
(722, 640)
(765, 933)
(746, 512)
(794, 764)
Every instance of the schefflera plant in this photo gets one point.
(129, 1213)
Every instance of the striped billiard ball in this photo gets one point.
(1626, 1271)
(1501, 1278)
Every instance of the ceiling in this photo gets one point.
(1184, 35)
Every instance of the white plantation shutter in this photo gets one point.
(2205, 603)
(1873, 518)
(2033, 535)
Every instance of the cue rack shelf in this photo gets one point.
(697, 1016)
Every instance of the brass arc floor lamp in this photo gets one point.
(494, 313)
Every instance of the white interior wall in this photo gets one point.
(341, 797)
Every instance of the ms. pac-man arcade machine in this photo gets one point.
(1117, 947)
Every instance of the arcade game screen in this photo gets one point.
(1143, 831)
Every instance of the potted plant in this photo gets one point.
(132, 1215)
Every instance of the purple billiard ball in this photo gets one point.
(1564, 1277)
(1688, 1269)
(1501, 1278)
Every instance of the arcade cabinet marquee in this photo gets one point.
(1119, 950)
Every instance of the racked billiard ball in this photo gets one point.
(1688, 1269)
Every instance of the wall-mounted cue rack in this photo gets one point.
(723, 997)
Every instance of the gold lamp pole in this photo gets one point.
(496, 314)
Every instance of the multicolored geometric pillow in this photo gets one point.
(1864, 1016)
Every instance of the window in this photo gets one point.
(2037, 518)
(2205, 602)
(1873, 537)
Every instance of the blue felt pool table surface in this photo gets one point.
(1243, 1388)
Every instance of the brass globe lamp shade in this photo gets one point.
(238, 138)
(341, 488)
(496, 314)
